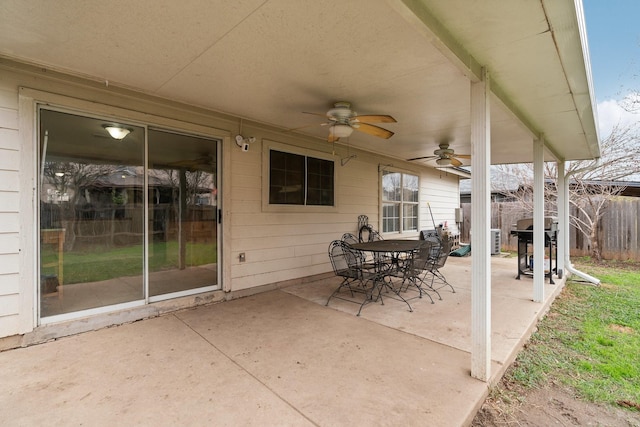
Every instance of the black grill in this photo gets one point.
(524, 231)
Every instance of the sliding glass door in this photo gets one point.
(114, 232)
(183, 211)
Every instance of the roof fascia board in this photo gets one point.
(573, 51)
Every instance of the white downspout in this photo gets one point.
(562, 247)
(581, 274)
(567, 259)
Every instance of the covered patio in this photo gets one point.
(255, 81)
(279, 357)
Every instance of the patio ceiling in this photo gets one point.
(268, 61)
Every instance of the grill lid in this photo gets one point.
(550, 223)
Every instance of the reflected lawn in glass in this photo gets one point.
(93, 265)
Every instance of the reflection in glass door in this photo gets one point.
(100, 213)
(91, 213)
(182, 212)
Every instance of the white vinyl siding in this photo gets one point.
(9, 211)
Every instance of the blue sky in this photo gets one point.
(613, 33)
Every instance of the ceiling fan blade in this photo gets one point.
(373, 130)
(463, 156)
(423, 158)
(332, 138)
(455, 162)
(374, 118)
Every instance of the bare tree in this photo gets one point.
(592, 183)
(631, 102)
(197, 182)
(69, 179)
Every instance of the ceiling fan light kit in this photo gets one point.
(444, 156)
(341, 131)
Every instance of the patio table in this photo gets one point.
(394, 247)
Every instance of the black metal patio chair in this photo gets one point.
(436, 263)
(347, 264)
(414, 268)
(366, 233)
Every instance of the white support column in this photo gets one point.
(538, 220)
(480, 229)
(563, 217)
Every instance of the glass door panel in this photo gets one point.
(91, 213)
(183, 211)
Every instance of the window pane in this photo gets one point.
(293, 175)
(320, 187)
(391, 186)
(409, 217)
(91, 214)
(410, 188)
(286, 178)
(182, 212)
(390, 217)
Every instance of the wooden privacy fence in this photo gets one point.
(618, 229)
(121, 225)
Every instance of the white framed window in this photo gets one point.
(400, 201)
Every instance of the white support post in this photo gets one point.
(563, 217)
(538, 220)
(480, 229)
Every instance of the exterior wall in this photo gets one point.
(9, 211)
(279, 245)
(440, 191)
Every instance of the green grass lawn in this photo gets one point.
(91, 265)
(590, 339)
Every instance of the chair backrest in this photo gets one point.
(368, 234)
(349, 238)
(362, 220)
(374, 236)
(434, 237)
(422, 258)
(431, 234)
(364, 232)
(343, 260)
(445, 249)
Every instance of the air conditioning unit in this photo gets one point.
(495, 241)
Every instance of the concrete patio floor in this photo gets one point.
(277, 358)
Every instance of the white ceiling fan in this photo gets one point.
(444, 156)
(343, 121)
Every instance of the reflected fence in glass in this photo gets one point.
(91, 214)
